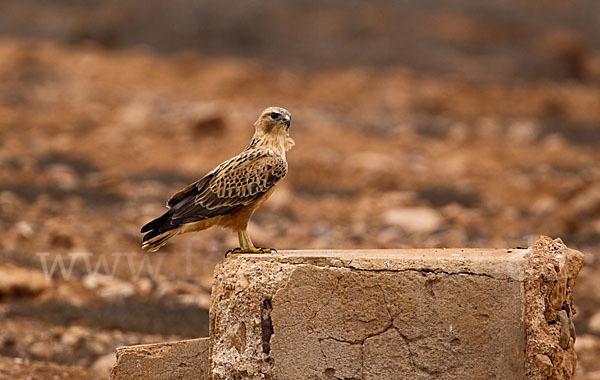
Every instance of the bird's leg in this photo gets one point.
(243, 244)
(251, 248)
(241, 239)
(246, 245)
(248, 240)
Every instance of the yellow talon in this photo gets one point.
(250, 250)
(233, 250)
(257, 250)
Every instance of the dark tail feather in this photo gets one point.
(154, 243)
(158, 231)
(157, 223)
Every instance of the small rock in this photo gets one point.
(73, 335)
(144, 287)
(40, 350)
(554, 142)
(108, 287)
(64, 176)
(24, 230)
(489, 127)
(594, 323)
(60, 240)
(557, 297)
(15, 281)
(523, 131)
(414, 219)
(9, 200)
(94, 346)
(117, 290)
(92, 282)
(135, 113)
(8, 341)
(544, 364)
(567, 53)
(565, 333)
(211, 124)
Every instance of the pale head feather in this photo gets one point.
(273, 127)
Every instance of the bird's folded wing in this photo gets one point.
(234, 183)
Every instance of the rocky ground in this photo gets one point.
(94, 141)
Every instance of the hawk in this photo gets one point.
(229, 194)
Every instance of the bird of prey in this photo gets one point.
(229, 194)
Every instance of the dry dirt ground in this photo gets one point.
(92, 142)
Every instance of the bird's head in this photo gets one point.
(274, 121)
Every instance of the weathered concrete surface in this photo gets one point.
(549, 309)
(183, 360)
(392, 314)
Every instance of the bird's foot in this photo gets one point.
(267, 250)
(250, 250)
(262, 250)
(234, 250)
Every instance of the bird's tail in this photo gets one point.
(158, 231)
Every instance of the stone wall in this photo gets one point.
(386, 314)
(186, 359)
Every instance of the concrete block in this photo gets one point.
(182, 360)
(394, 314)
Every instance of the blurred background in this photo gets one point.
(455, 123)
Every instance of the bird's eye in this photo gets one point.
(274, 115)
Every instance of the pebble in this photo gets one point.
(594, 323)
(414, 219)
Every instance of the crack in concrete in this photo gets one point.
(361, 341)
(349, 266)
(416, 366)
(320, 340)
(387, 307)
(433, 271)
(362, 361)
(411, 357)
(322, 352)
(337, 284)
(388, 326)
(404, 338)
(410, 353)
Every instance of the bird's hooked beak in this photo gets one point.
(287, 120)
